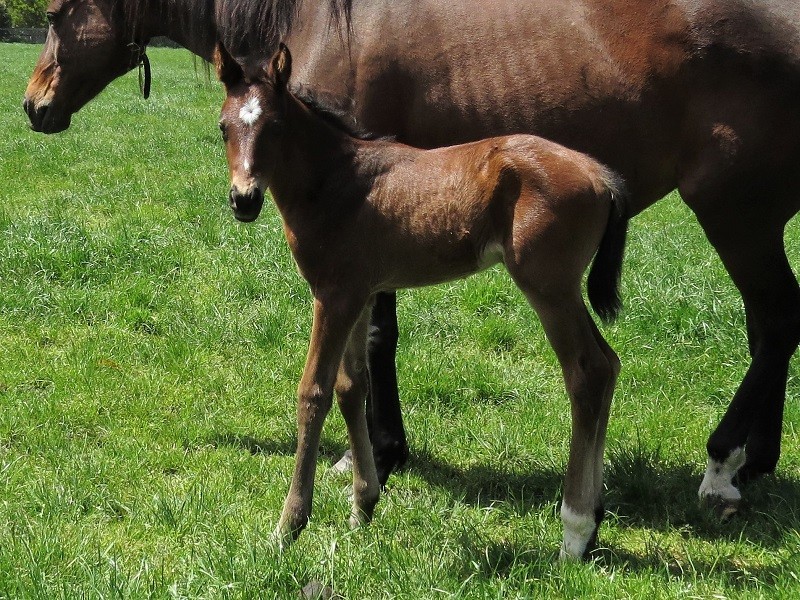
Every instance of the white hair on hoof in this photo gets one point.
(718, 481)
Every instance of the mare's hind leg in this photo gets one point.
(331, 328)
(351, 390)
(590, 369)
(748, 437)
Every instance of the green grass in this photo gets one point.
(149, 351)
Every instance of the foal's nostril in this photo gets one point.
(246, 206)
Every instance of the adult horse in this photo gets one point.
(698, 95)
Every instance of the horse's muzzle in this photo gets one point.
(246, 205)
(43, 118)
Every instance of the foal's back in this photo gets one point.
(435, 215)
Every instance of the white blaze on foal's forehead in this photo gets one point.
(250, 112)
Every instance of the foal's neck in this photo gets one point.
(319, 163)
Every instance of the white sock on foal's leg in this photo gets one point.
(578, 530)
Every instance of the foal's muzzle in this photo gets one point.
(246, 205)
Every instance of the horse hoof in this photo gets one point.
(314, 590)
(345, 464)
(717, 490)
(724, 508)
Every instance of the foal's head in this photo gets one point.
(251, 124)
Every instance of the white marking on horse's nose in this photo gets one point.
(250, 112)
(246, 166)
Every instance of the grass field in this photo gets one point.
(149, 351)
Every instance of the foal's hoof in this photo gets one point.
(285, 535)
(580, 534)
(282, 540)
(572, 554)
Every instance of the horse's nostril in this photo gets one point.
(29, 108)
(233, 195)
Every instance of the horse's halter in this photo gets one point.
(139, 59)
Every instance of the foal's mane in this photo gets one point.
(337, 118)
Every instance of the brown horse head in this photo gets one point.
(87, 47)
(250, 122)
(92, 42)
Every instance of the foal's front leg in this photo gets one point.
(331, 328)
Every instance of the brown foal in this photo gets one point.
(364, 216)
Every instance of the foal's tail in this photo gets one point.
(602, 284)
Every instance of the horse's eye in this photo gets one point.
(224, 130)
(51, 17)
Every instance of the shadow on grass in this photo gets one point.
(514, 560)
(643, 490)
(646, 490)
(486, 484)
(657, 497)
(287, 446)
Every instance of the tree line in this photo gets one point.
(23, 13)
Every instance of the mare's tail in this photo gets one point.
(602, 284)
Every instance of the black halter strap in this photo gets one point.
(139, 59)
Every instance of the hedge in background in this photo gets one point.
(5, 18)
(24, 13)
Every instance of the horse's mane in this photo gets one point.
(253, 25)
(336, 117)
(246, 26)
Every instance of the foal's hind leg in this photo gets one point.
(605, 413)
(351, 389)
(590, 369)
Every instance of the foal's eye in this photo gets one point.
(224, 130)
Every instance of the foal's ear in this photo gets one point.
(281, 66)
(229, 71)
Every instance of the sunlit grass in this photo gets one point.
(149, 351)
